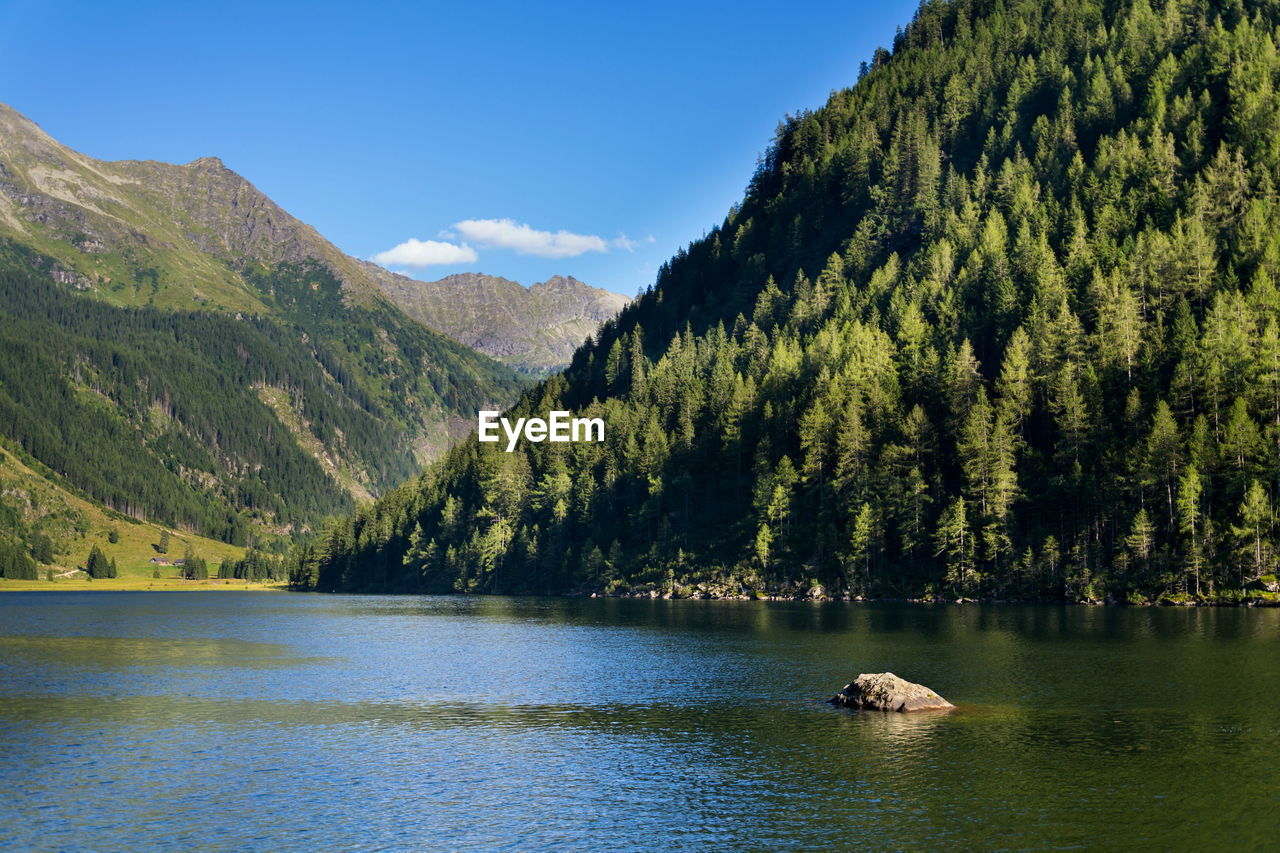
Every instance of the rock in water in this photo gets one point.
(884, 691)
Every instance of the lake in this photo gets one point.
(218, 721)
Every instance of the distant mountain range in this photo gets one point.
(176, 346)
(533, 329)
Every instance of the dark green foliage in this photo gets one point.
(1001, 320)
(254, 566)
(160, 415)
(98, 566)
(163, 546)
(113, 535)
(194, 568)
(42, 548)
(302, 567)
(392, 365)
(15, 563)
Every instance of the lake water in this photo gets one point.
(217, 721)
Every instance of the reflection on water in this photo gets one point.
(247, 721)
(120, 652)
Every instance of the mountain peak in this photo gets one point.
(559, 282)
(196, 224)
(532, 328)
(22, 138)
(209, 164)
(473, 279)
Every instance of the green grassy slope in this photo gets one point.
(42, 504)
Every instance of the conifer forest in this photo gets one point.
(999, 320)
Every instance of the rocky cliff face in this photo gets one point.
(534, 329)
(145, 232)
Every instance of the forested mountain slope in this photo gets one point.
(44, 526)
(216, 423)
(1001, 319)
(533, 329)
(177, 347)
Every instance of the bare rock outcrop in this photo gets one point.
(884, 691)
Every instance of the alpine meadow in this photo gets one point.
(1000, 320)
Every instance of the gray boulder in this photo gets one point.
(884, 691)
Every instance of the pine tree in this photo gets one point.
(1190, 491)
(1254, 533)
(1141, 541)
(955, 543)
(97, 566)
(1162, 457)
(861, 537)
(42, 548)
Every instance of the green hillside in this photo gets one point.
(133, 232)
(177, 347)
(999, 320)
(40, 512)
(226, 425)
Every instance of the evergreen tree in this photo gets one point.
(1254, 534)
(1190, 492)
(97, 566)
(42, 548)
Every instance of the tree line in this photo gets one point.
(999, 320)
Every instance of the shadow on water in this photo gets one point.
(1037, 621)
(123, 652)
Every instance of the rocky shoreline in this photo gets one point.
(819, 595)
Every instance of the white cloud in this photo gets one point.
(622, 241)
(425, 253)
(509, 234)
(499, 234)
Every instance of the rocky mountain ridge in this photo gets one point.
(533, 329)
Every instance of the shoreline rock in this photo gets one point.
(884, 691)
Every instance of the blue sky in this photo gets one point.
(489, 128)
